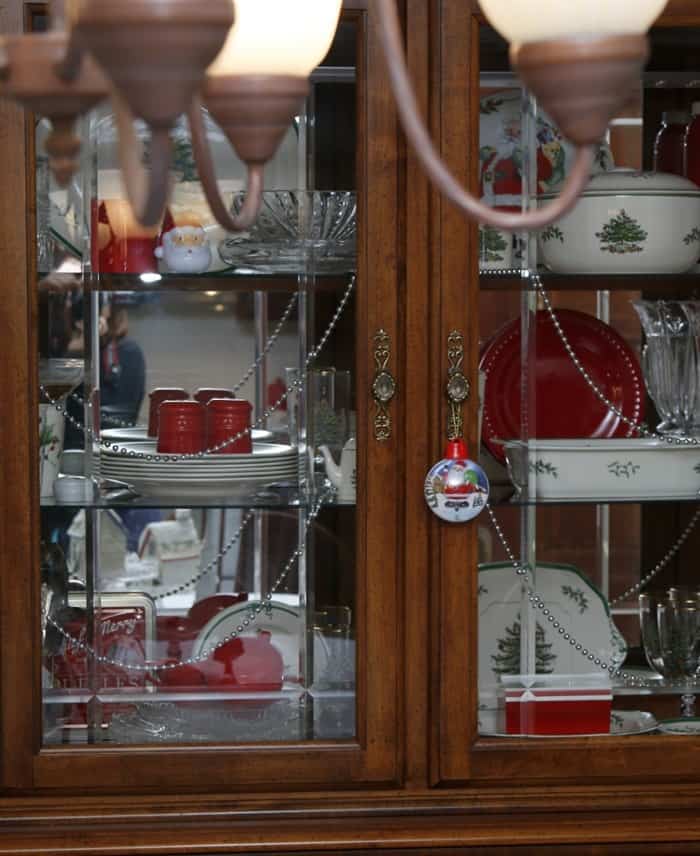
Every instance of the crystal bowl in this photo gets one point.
(297, 231)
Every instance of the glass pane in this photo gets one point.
(198, 495)
(587, 597)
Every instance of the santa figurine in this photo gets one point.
(185, 248)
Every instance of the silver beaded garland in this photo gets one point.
(295, 385)
(191, 661)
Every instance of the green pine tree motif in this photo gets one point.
(552, 233)
(183, 161)
(492, 244)
(692, 237)
(622, 234)
(507, 660)
(490, 105)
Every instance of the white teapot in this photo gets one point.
(343, 477)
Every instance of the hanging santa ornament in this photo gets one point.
(456, 488)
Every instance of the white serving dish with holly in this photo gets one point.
(616, 469)
(626, 222)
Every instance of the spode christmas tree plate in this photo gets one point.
(572, 599)
(622, 723)
(565, 406)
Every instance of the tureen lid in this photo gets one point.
(630, 182)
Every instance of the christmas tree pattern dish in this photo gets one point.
(626, 223)
(622, 234)
(495, 248)
(572, 599)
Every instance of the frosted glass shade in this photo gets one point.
(523, 21)
(278, 37)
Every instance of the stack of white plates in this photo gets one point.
(139, 434)
(210, 475)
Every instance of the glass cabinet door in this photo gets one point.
(588, 629)
(207, 457)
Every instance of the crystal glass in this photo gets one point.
(670, 363)
(297, 230)
(330, 420)
(671, 635)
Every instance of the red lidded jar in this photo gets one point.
(227, 417)
(157, 397)
(204, 395)
(691, 146)
(668, 146)
(181, 428)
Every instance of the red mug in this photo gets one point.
(181, 428)
(157, 397)
(227, 417)
(204, 396)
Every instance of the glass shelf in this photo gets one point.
(283, 498)
(522, 501)
(243, 280)
(665, 284)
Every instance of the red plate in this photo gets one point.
(565, 407)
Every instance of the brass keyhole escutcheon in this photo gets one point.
(458, 386)
(383, 386)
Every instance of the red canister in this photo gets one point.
(181, 428)
(227, 417)
(204, 395)
(157, 397)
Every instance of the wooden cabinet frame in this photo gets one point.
(491, 762)
(418, 778)
(373, 757)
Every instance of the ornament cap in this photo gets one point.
(456, 450)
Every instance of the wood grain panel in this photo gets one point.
(19, 668)
(459, 284)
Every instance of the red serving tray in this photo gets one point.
(565, 406)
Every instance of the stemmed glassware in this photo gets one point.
(670, 362)
(671, 637)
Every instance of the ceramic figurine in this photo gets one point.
(343, 477)
(185, 249)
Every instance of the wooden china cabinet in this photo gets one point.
(328, 635)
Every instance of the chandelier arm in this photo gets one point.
(207, 174)
(68, 69)
(58, 14)
(447, 184)
(147, 206)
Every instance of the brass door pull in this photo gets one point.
(458, 386)
(383, 386)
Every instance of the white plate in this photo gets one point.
(185, 475)
(260, 450)
(683, 726)
(180, 470)
(284, 623)
(573, 600)
(614, 469)
(139, 434)
(623, 723)
(242, 489)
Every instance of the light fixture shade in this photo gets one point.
(524, 21)
(279, 37)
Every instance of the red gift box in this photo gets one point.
(558, 704)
